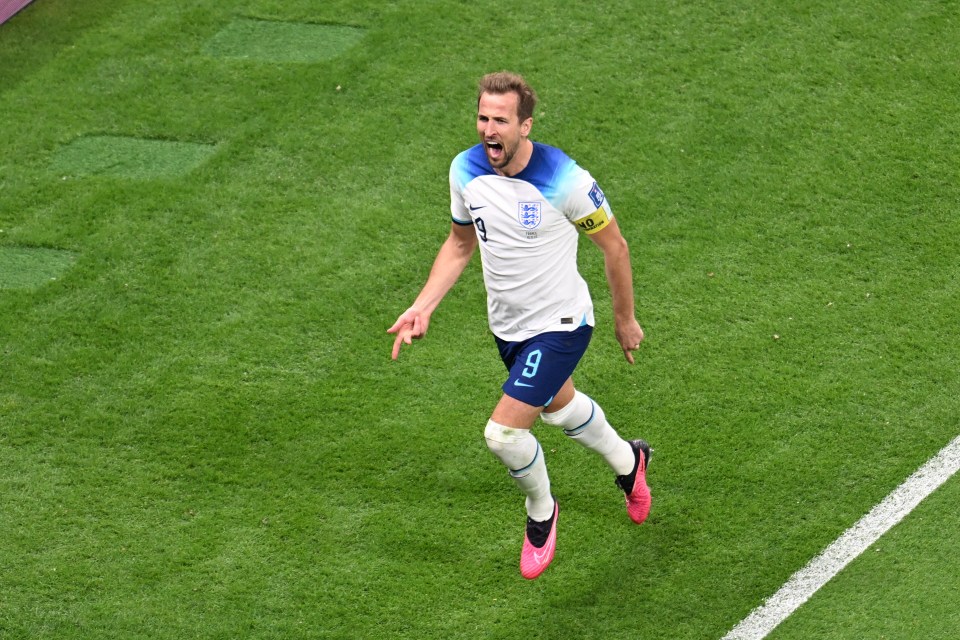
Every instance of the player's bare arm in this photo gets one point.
(451, 260)
(616, 257)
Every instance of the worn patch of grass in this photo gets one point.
(129, 157)
(272, 41)
(26, 267)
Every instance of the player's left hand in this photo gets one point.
(629, 335)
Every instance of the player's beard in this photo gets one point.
(507, 152)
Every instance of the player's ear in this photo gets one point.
(525, 127)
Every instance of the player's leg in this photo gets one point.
(537, 369)
(509, 437)
(584, 421)
(521, 453)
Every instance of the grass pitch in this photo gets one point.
(201, 431)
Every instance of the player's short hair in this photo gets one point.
(501, 82)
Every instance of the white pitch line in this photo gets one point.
(854, 541)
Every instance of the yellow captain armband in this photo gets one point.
(594, 222)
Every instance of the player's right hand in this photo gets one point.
(410, 326)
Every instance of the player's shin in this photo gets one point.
(520, 452)
(584, 421)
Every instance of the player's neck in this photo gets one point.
(519, 161)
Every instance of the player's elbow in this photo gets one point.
(616, 247)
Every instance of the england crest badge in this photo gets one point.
(529, 215)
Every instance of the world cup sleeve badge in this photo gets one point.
(529, 215)
(596, 195)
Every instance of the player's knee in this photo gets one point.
(516, 448)
(500, 437)
(579, 414)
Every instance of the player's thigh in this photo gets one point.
(540, 368)
(514, 413)
(562, 397)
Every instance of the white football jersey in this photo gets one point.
(527, 231)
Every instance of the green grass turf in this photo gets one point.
(25, 267)
(129, 157)
(201, 432)
(918, 573)
(272, 41)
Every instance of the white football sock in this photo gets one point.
(519, 450)
(584, 421)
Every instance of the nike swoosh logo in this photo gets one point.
(538, 557)
(517, 383)
(473, 208)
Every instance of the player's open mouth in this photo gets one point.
(494, 149)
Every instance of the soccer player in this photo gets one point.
(522, 203)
